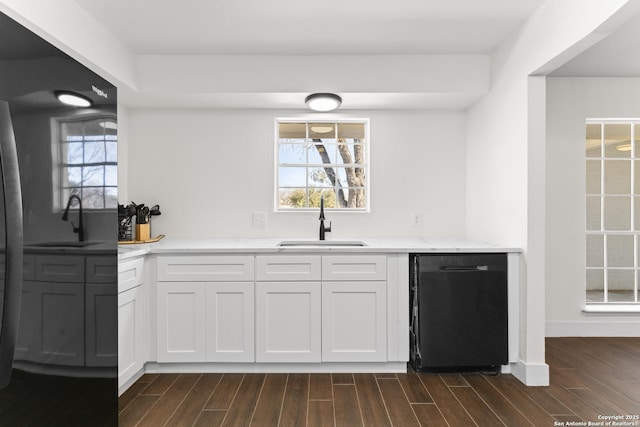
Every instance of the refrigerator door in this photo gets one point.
(10, 245)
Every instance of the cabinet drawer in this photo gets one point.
(354, 267)
(205, 268)
(102, 269)
(288, 267)
(130, 274)
(62, 268)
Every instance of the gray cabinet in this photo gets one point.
(101, 307)
(68, 316)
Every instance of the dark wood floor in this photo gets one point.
(590, 377)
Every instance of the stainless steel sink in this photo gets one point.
(62, 244)
(322, 243)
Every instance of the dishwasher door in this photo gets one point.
(459, 312)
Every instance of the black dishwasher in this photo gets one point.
(458, 312)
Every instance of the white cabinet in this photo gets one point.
(284, 308)
(288, 308)
(205, 308)
(331, 308)
(132, 319)
(181, 322)
(354, 321)
(354, 308)
(288, 322)
(354, 267)
(230, 322)
(205, 268)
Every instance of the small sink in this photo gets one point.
(62, 244)
(341, 243)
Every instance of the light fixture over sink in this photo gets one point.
(323, 101)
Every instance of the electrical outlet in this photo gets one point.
(416, 219)
(259, 219)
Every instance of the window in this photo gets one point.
(88, 161)
(612, 211)
(322, 159)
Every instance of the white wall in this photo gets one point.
(569, 102)
(210, 169)
(506, 158)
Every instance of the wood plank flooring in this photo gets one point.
(590, 377)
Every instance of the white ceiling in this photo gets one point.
(336, 27)
(311, 26)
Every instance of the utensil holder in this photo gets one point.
(143, 232)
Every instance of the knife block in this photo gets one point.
(143, 232)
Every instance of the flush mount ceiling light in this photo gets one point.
(323, 101)
(72, 98)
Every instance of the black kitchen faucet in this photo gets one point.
(323, 229)
(65, 217)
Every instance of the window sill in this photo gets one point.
(615, 308)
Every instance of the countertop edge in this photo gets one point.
(269, 246)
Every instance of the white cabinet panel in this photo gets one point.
(288, 323)
(354, 267)
(230, 322)
(133, 321)
(205, 268)
(354, 322)
(130, 274)
(288, 267)
(181, 322)
(132, 331)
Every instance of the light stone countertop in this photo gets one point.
(178, 246)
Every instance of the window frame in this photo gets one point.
(366, 165)
(60, 162)
(612, 233)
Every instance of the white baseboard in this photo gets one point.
(531, 374)
(128, 383)
(347, 367)
(593, 329)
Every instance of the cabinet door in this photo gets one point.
(354, 321)
(60, 314)
(101, 328)
(181, 322)
(131, 333)
(230, 322)
(288, 322)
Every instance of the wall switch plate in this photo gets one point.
(259, 219)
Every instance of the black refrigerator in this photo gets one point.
(58, 239)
